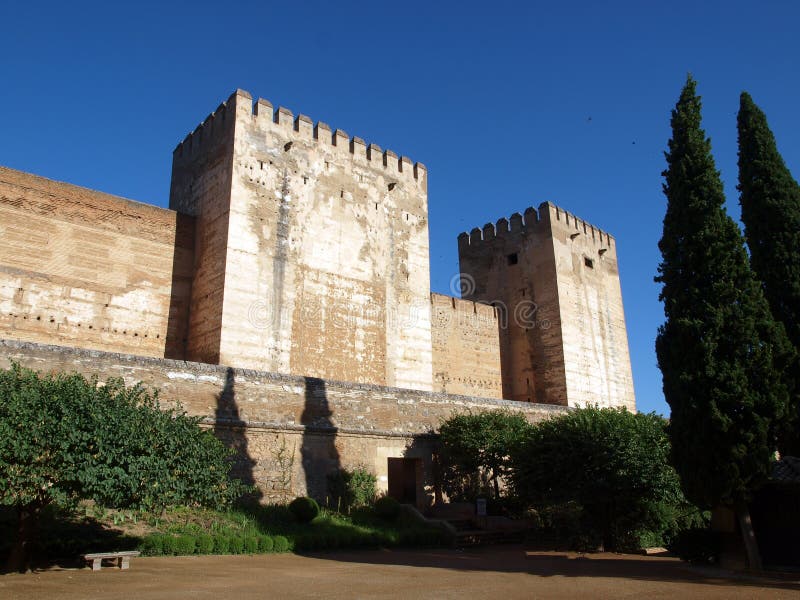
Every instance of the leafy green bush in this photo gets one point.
(351, 489)
(168, 544)
(222, 544)
(152, 545)
(64, 438)
(476, 450)
(280, 544)
(387, 508)
(185, 544)
(304, 509)
(265, 543)
(610, 465)
(205, 544)
(251, 545)
(236, 545)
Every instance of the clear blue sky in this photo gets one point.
(508, 104)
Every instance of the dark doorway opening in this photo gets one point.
(403, 479)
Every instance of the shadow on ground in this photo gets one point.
(518, 559)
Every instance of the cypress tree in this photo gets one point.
(770, 200)
(720, 351)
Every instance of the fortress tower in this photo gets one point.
(555, 282)
(312, 253)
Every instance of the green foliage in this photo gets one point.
(720, 351)
(63, 438)
(304, 509)
(352, 489)
(205, 544)
(280, 544)
(251, 545)
(152, 545)
(222, 544)
(265, 543)
(185, 544)
(236, 545)
(476, 449)
(168, 544)
(611, 466)
(770, 201)
(387, 508)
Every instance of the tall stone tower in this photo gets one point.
(312, 252)
(555, 280)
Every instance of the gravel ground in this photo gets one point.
(504, 572)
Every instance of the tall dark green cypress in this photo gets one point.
(720, 351)
(770, 200)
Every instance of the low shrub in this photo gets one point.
(280, 544)
(251, 545)
(185, 544)
(387, 508)
(304, 509)
(265, 543)
(152, 545)
(237, 545)
(222, 544)
(168, 545)
(205, 544)
(351, 489)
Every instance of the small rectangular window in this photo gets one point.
(588, 262)
(513, 259)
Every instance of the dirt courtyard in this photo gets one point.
(505, 572)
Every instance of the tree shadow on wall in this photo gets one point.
(231, 429)
(318, 450)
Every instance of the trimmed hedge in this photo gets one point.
(304, 509)
(387, 508)
(158, 544)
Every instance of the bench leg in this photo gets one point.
(97, 563)
(124, 562)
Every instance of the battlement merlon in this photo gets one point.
(466, 307)
(547, 214)
(300, 127)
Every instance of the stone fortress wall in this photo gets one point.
(556, 279)
(83, 268)
(292, 275)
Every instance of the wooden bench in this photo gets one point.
(123, 558)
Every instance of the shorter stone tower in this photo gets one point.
(555, 280)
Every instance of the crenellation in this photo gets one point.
(323, 133)
(375, 153)
(390, 161)
(304, 126)
(263, 110)
(283, 116)
(296, 253)
(341, 139)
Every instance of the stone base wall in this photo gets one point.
(327, 424)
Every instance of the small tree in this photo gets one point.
(64, 438)
(770, 200)
(476, 449)
(352, 489)
(611, 463)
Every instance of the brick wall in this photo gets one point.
(79, 267)
(466, 347)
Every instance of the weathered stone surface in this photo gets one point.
(325, 423)
(555, 277)
(83, 268)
